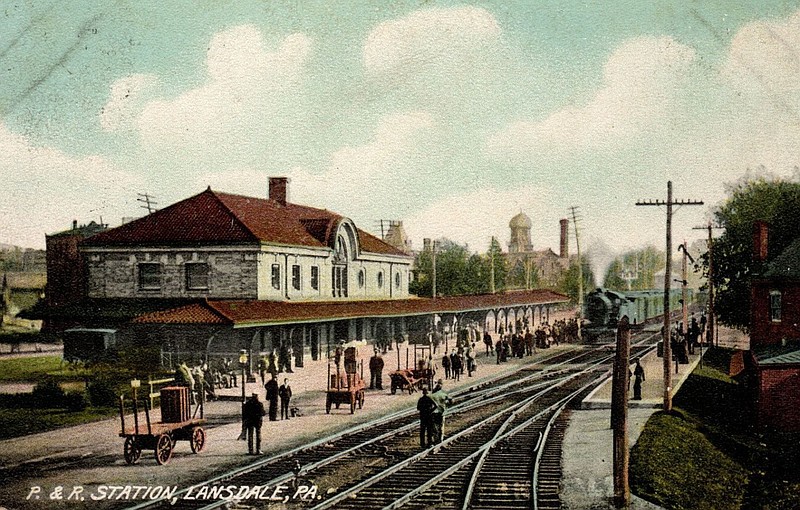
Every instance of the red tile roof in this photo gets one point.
(242, 313)
(220, 218)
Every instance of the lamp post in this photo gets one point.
(243, 363)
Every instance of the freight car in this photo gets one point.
(605, 307)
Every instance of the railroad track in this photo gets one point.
(488, 427)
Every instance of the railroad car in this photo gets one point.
(604, 308)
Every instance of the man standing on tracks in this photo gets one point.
(272, 396)
(638, 373)
(426, 407)
(376, 371)
(253, 415)
(442, 400)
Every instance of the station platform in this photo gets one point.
(587, 455)
(90, 455)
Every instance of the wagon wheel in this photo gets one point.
(132, 451)
(328, 404)
(198, 440)
(394, 389)
(163, 449)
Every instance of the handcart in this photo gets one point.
(176, 425)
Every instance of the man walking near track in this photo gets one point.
(426, 407)
(442, 400)
(253, 415)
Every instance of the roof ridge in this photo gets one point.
(230, 212)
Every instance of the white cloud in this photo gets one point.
(642, 79)
(473, 217)
(126, 101)
(45, 189)
(246, 85)
(431, 36)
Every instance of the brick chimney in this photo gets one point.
(564, 251)
(760, 240)
(278, 189)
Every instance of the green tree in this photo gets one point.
(775, 201)
(642, 263)
(568, 283)
(457, 271)
(495, 257)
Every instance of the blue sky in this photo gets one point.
(450, 116)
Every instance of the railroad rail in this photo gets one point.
(490, 421)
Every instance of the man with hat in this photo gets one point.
(253, 415)
(376, 371)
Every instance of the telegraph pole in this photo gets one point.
(711, 321)
(491, 267)
(580, 270)
(148, 202)
(434, 245)
(667, 275)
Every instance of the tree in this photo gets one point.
(774, 201)
(642, 263)
(495, 257)
(568, 283)
(457, 271)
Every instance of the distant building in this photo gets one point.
(522, 258)
(773, 362)
(21, 292)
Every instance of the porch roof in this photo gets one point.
(250, 313)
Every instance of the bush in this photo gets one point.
(75, 401)
(102, 393)
(48, 394)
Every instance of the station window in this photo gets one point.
(397, 280)
(276, 276)
(296, 277)
(775, 305)
(149, 276)
(361, 279)
(315, 277)
(380, 280)
(197, 276)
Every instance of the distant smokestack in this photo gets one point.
(760, 240)
(278, 189)
(564, 251)
(74, 224)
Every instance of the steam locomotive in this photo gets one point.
(603, 308)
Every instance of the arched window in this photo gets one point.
(397, 280)
(380, 280)
(361, 279)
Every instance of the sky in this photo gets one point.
(451, 117)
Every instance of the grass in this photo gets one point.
(21, 422)
(707, 455)
(30, 369)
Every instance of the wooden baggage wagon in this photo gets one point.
(346, 387)
(404, 380)
(176, 425)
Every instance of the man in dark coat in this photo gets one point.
(253, 414)
(638, 374)
(285, 393)
(376, 371)
(446, 365)
(426, 407)
(272, 397)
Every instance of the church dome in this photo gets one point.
(521, 220)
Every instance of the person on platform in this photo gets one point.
(184, 377)
(376, 371)
(426, 407)
(446, 365)
(442, 400)
(272, 397)
(285, 393)
(638, 374)
(487, 341)
(253, 415)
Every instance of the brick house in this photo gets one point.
(773, 362)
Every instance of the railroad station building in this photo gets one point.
(216, 274)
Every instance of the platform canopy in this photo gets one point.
(252, 313)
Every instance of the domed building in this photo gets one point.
(523, 261)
